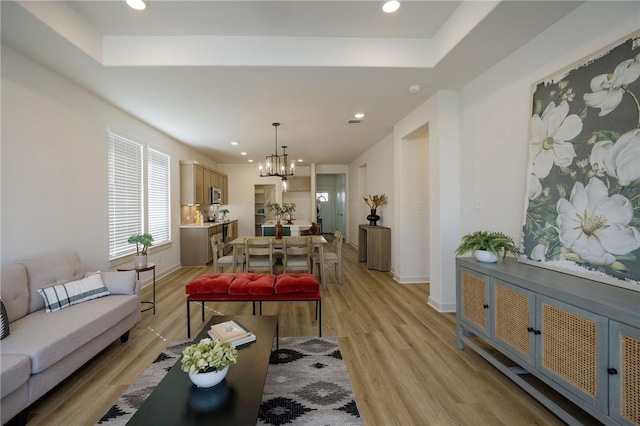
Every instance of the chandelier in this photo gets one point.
(277, 165)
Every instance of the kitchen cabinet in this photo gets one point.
(224, 185)
(299, 184)
(565, 337)
(195, 181)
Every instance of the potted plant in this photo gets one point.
(144, 240)
(488, 246)
(208, 361)
(224, 212)
(374, 201)
(289, 209)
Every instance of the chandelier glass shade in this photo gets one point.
(277, 165)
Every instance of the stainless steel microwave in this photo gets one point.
(215, 195)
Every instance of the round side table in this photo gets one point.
(138, 269)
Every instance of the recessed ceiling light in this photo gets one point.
(359, 115)
(391, 6)
(414, 88)
(243, 153)
(299, 160)
(136, 4)
(250, 160)
(234, 143)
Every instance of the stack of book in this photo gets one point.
(232, 332)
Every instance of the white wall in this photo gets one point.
(478, 143)
(54, 168)
(379, 180)
(497, 105)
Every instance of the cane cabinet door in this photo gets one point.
(624, 373)
(514, 320)
(572, 349)
(475, 300)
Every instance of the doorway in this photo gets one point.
(331, 202)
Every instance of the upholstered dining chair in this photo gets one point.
(297, 254)
(335, 257)
(258, 254)
(219, 262)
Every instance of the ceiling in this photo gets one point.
(211, 72)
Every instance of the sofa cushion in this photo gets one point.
(14, 291)
(4, 321)
(64, 295)
(296, 283)
(120, 282)
(210, 283)
(47, 338)
(255, 284)
(48, 271)
(14, 372)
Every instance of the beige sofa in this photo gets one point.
(44, 348)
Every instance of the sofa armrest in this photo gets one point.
(121, 282)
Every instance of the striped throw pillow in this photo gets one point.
(4, 322)
(64, 295)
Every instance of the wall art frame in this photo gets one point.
(582, 206)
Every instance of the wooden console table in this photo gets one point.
(374, 247)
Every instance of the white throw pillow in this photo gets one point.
(64, 295)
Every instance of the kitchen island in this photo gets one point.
(294, 229)
(195, 243)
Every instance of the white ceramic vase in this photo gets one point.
(140, 260)
(207, 380)
(485, 256)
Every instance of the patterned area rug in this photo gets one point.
(309, 385)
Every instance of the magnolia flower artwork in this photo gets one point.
(583, 204)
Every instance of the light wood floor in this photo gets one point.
(401, 355)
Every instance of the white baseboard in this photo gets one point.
(159, 275)
(410, 280)
(441, 307)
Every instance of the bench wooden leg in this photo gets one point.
(202, 310)
(320, 318)
(188, 320)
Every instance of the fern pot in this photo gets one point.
(485, 256)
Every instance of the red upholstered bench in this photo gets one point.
(246, 287)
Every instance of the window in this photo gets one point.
(159, 211)
(126, 195)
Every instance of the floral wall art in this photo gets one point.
(582, 214)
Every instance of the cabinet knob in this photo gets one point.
(536, 332)
(612, 371)
(530, 329)
(485, 306)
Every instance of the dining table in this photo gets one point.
(317, 241)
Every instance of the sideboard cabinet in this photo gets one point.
(572, 343)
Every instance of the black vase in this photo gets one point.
(373, 218)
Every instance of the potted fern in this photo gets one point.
(488, 247)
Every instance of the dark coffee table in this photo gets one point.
(235, 401)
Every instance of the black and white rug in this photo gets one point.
(309, 385)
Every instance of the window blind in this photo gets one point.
(125, 194)
(159, 200)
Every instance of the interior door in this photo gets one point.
(325, 203)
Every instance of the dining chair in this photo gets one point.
(297, 254)
(313, 230)
(258, 254)
(335, 257)
(217, 248)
